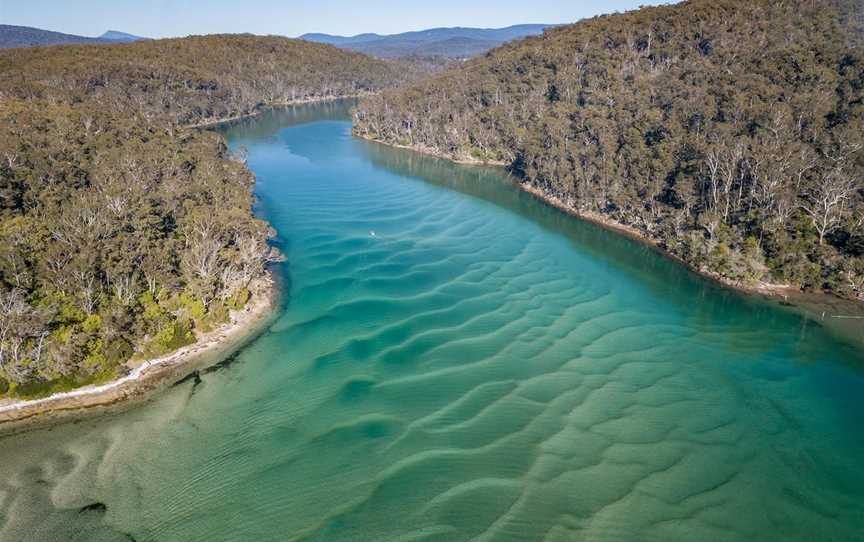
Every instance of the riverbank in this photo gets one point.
(289, 103)
(145, 377)
(437, 154)
(842, 316)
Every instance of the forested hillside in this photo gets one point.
(729, 132)
(122, 231)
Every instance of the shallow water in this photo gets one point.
(455, 361)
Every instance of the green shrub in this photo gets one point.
(216, 316)
(92, 323)
(192, 306)
(171, 336)
(239, 299)
(35, 389)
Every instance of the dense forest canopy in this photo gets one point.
(122, 231)
(189, 80)
(730, 132)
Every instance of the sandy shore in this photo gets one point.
(146, 378)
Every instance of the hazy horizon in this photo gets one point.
(176, 18)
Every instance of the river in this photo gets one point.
(452, 361)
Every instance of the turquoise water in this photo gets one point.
(455, 361)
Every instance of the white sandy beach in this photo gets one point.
(148, 375)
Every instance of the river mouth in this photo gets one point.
(456, 361)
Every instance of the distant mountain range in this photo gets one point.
(447, 42)
(26, 36)
(436, 42)
(115, 35)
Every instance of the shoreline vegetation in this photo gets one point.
(736, 148)
(215, 123)
(841, 315)
(845, 316)
(125, 232)
(146, 378)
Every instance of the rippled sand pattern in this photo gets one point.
(456, 365)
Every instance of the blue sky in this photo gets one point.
(164, 18)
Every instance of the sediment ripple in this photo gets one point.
(456, 362)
